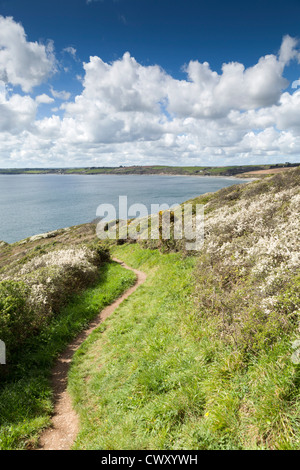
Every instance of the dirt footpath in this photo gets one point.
(65, 423)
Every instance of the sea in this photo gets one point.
(34, 204)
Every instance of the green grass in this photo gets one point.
(155, 377)
(25, 395)
(136, 384)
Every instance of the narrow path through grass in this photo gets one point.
(26, 396)
(156, 376)
(65, 424)
(135, 382)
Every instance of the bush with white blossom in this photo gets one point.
(251, 258)
(32, 292)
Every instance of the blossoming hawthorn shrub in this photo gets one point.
(250, 260)
(32, 294)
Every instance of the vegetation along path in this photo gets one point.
(65, 420)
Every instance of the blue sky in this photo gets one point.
(165, 32)
(111, 82)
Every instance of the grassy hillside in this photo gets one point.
(162, 377)
(50, 288)
(200, 357)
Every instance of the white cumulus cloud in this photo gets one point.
(17, 113)
(61, 95)
(129, 113)
(44, 99)
(22, 62)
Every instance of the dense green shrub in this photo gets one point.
(16, 317)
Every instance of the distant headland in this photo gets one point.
(245, 171)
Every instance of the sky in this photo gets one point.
(144, 82)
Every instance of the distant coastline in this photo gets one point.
(247, 171)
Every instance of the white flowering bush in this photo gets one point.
(81, 257)
(250, 259)
(31, 293)
(259, 232)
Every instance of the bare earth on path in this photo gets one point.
(65, 423)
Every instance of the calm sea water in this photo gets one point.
(32, 204)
